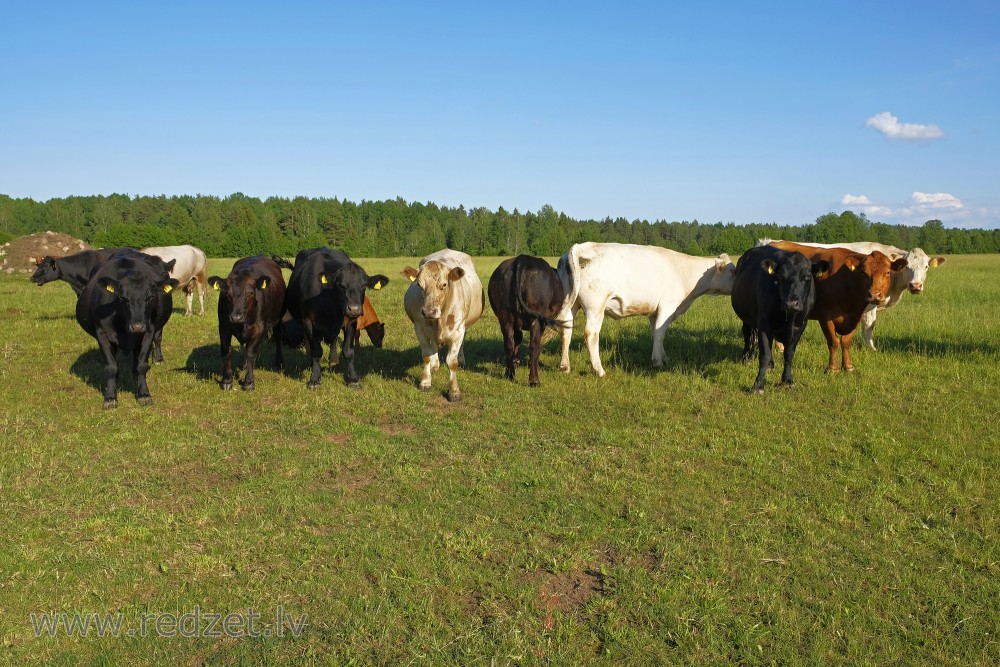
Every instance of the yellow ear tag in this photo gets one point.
(110, 288)
(322, 278)
(167, 288)
(378, 285)
(215, 286)
(770, 269)
(263, 285)
(412, 278)
(851, 267)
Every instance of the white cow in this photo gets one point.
(910, 279)
(443, 300)
(621, 280)
(190, 271)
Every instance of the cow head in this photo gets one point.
(918, 264)
(376, 332)
(435, 280)
(794, 277)
(46, 270)
(722, 276)
(137, 298)
(242, 291)
(350, 282)
(878, 268)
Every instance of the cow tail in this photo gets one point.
(546, 321)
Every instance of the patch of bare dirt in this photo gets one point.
(19, 255)
(566, 592)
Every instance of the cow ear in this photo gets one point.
(108, 284)
(852, 263)
(820, 267)
(937, 261)
(216, 282)
(899, 264)
(261, 283)
(377, 282)
(722, 261)
(168, 285)
(409, 272)
(456, 274)
(169, 266)
(768, 265)
(323, 279)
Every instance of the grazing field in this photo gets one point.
(648, 517)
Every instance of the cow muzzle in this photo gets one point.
(430, 313)
(876, 297)
(354, 311)
(793, 305)
(237, 318)
(137, 327)
(916, 288)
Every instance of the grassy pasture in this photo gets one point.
(648, 517)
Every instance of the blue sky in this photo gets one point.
(732, 112)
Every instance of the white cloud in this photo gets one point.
(890, 126)
(863, 204)
(937, 200)
(855, 200)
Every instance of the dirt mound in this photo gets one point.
(18, 255)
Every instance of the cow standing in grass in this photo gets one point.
(773, 294)
(621, 280)
(251, 302)
(125, 306)
(190, 270)
(325, 288)
(853, 283)
(445, 297)
(525, 293)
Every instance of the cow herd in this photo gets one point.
(124, 300)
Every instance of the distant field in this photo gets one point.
(647, 517)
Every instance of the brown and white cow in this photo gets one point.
(622, 280)
(444, 298)
(910, 279)
(853, 282)
(190, 270)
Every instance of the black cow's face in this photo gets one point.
(137, 298)
(350, 283)
(242, 292)
(794, 276)
(46, 271)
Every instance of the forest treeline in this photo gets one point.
(238, 226)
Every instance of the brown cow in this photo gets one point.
(844, 292)
(370, 323)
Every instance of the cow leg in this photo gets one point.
(249, 361)
(333, 359)
(189, 298)
(226, 351)
(202, 288)
(350, 375)
(763, 357)
(429, 351)
(832, 343)
(567, 316)
(110, 351)
(279, 360)
(454, 351)
(747, 353)
(659, 323)
(591, 334)
(534, 350)
(315, 352)
(157, 341)
(509, 346)
(845, 346)
(141, 368)
(786, 374)
(868, 326)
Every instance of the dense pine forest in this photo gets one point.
(238, 225)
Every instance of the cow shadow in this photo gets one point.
(932, 348)
(90, 368)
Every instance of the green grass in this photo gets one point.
(647, 517)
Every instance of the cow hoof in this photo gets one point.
(110, 403)
(227, 386)
(158, 362)
(312, 385)
(145, 400)
(536, 383)
(247, 387)
(454, 398)
(788, 385)
(759, 392)
(849, 369)
(831, 369)
(354, 385)
(564, 369)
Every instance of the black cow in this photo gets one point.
(124, 306)
(325, 287)
(75, 269)
(525, 293)
(251, 301)
(773, 294)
